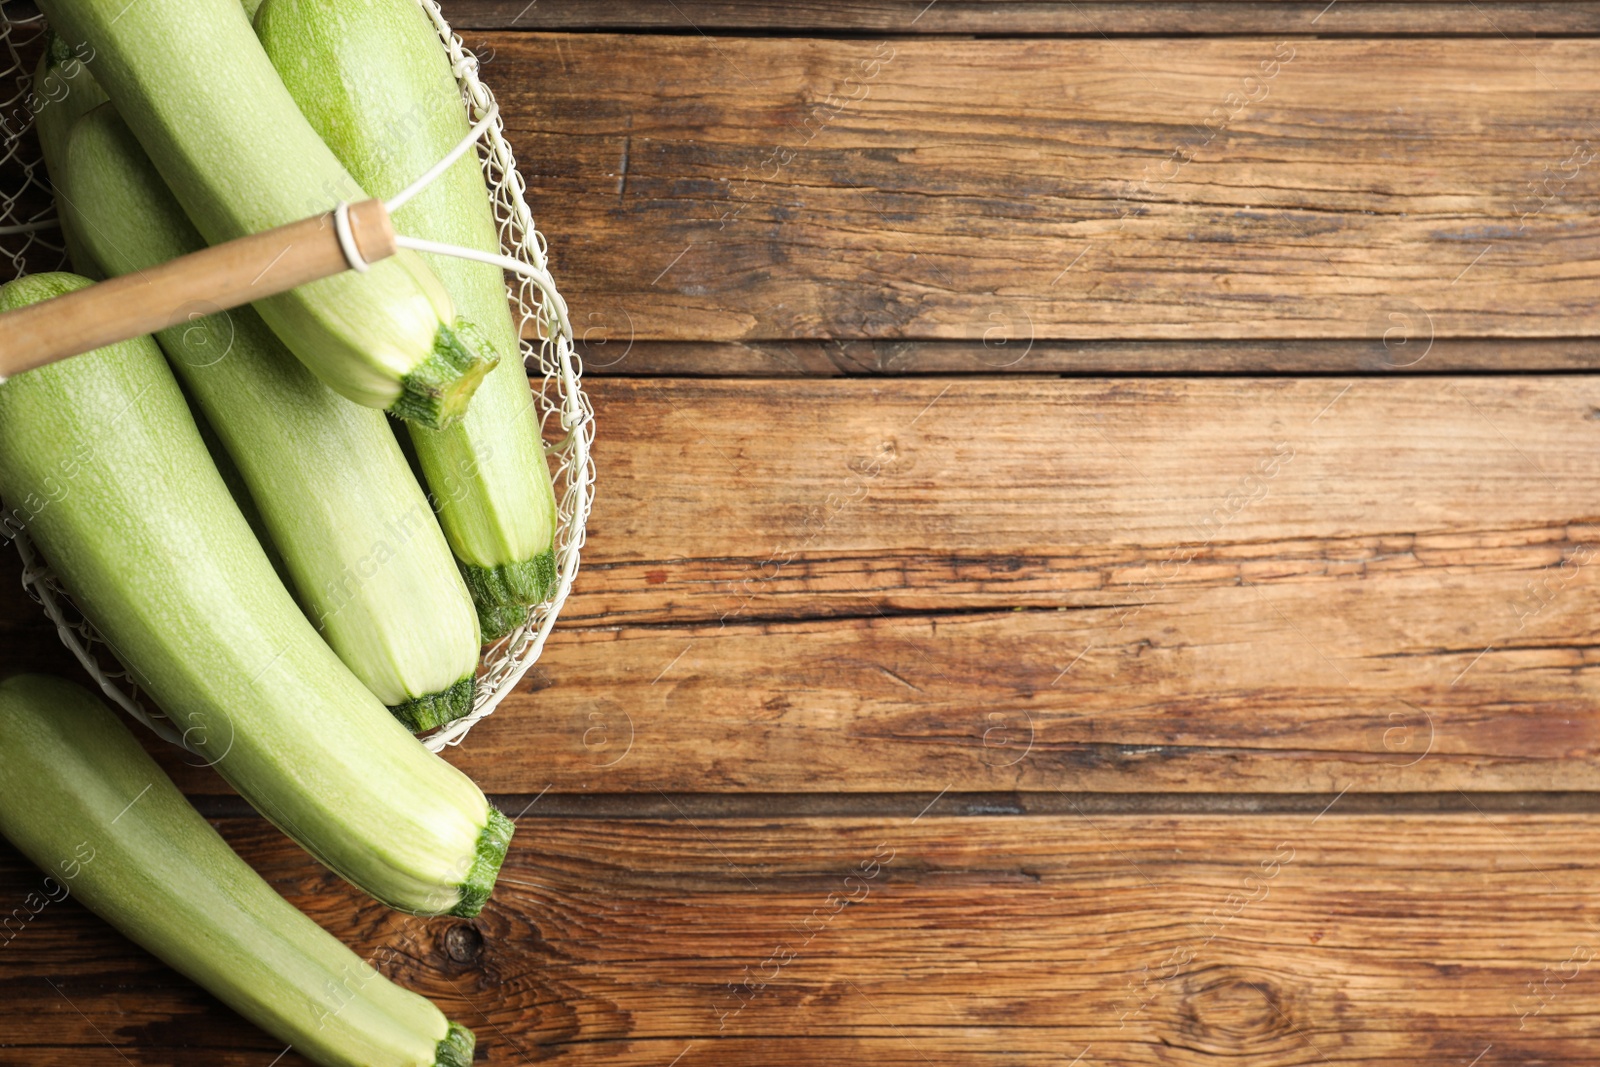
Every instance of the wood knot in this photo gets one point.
(463, 943)
(1227, 1010)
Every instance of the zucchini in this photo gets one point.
(375, 83)
(81, 799)
(192, 82)
(239, 491)
(367, 560)
(102, 457)
(63, 89)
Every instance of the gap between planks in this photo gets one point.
(1419, 356)
(951, 804)
(1069, 18)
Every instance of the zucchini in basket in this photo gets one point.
(194, 85)
(62, 90)
(373, 80)
(101, 462)
(82, 800)
(367, 560)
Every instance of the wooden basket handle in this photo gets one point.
(214, 279)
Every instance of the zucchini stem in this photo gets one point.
(479, 883)
(437, 709)
(503, 594)
(436, 392)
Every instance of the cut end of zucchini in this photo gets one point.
(437, 709)
(495, 621)
(492, 845)
(503, 594)
(436, 393)
(58, 50)
(456, 1049)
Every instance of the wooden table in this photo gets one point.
(1091, 562)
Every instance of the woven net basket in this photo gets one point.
(29, 240)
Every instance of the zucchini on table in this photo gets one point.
(373, 80)
(101, 462)
(366, 556)
(82, 800)
(192, 82)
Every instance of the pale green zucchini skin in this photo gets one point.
(237, 489)
(367, 559)
(81, 799)
(101, 457)
(65, 90)
(374, 82)
(192, 82)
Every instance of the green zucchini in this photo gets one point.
(81, 799)
(368, 561)
(192, 82)
(101, 458)
(375, 83)
(237, 489)
(63, 89)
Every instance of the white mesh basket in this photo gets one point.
(30, 238)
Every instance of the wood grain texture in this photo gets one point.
(1283, 585)
(1275, 585)
(1083, 609)
(730, 500)
(740, 189)
(1033, 17)
(1272, 940)
(1036, 701)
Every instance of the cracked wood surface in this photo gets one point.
(1171, 940)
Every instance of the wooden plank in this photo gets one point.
(613, 352)
(739, 188)
(1278, 940)
(726, 499)
(1413, 580)
(1222, 691)
(1227, 692)
(1013, 18)
(1282, 585)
